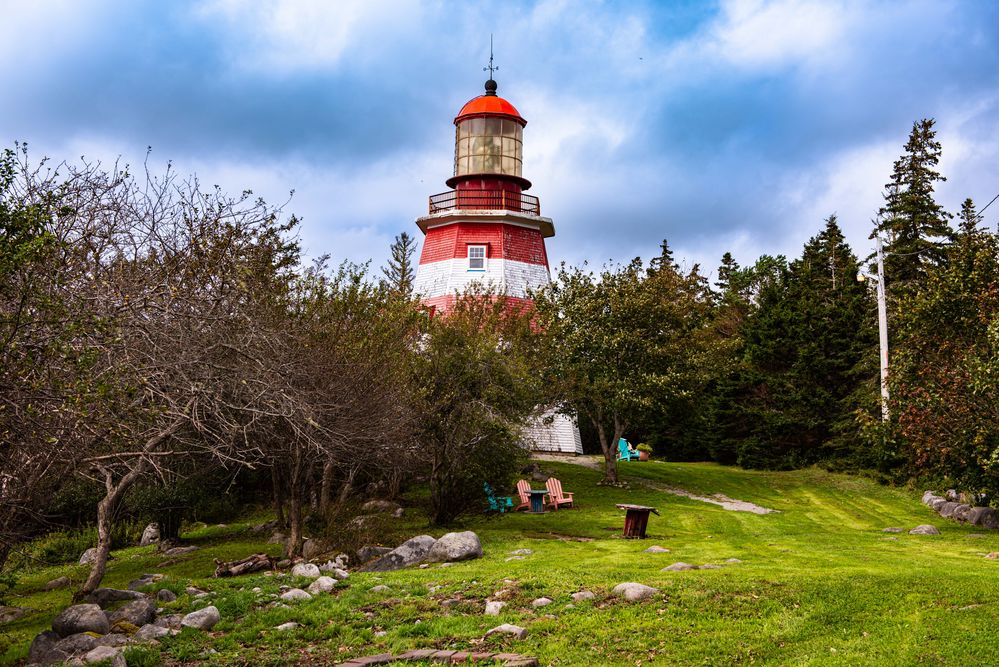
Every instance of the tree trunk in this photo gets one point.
(609, 450)
(105, 509)
(293, 547)
(326, 488)
(278, 491)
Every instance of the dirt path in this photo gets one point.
(720, 499)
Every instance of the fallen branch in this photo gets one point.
(253, 563)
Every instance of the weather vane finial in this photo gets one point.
(490, 68)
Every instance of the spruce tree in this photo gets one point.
(399, 274)
(968, 219)
(913, 225)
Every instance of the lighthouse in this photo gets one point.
(486, 229)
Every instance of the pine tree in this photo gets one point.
(399, 274)
(968, 219)
(914, 226)
(726, 270)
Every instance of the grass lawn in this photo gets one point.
(819, 583)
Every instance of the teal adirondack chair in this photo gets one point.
(496, 503)
(624, 453)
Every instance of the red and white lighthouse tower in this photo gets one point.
(488, 230)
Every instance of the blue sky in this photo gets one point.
(721, 126)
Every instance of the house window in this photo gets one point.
(476, 258)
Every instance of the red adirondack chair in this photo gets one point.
(524, 493)
(556, 496)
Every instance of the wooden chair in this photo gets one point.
(556, 496)
(625, 452)
(524, 493)
(496, 503)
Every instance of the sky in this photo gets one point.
(721, 126)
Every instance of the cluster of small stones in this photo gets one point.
(444, 657)
(950, 507)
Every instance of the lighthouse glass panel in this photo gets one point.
(488, 146)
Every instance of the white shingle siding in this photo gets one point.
(452, 275)
(561, 436)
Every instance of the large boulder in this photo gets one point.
(43, 649)
(947, 509)
(322, 585)
(202, 619)
(366, 553)
(410, 552)
(81, 618)
(937, 503)
(105, 654)
(983, 516)
(149, 633)
(59, 582)
(924, 529)
(136, 612)
(306, 570)
(380, 506)
(103, 597)
(81, 642)
(89, 556)
(295, 595)
(456, 546)
(633, 592)
(151, 535)
(928, 496)
(961, 512)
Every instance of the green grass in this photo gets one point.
(819, 583)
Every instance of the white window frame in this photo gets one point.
(484, 258)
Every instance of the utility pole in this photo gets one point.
(882, 329)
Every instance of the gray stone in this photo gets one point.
(456, 547)
(114, 639)
(285, 627)
(733, 560)
(150, 535)
(202, 619)
(657, 550)
(983, 516)
(928, 496)
(508, 629)
(961, 512)
(633, 592)
(380, 506)
(709, 566)
(937, 503)
(144, 581)
(43, 649)
(170, 621)
(166, 595)
(179, 551)
(283, 564)
(89, 556)
(380, 588)
(194, 592)
(136, 612)
(81, 618)
(340, 574)
(541, 602)
(582, 595)
(295, 595)
(366, 553)
(59, 582)
(410, 552)
(678, 567)
(78, 643)
(11, 614)
(510, 558)
(892, 529)
(361, 522)
(521, 552)
(306, 570)
(106, 596)
(264, 527)
(952, 495)
(947, 509)
(398, 512)
(312, 548)
(322, 585)
(150, 632)
(493, 607)
(451, 602)
(105, 653)
(924, 529)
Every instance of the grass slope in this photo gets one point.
(819, 584)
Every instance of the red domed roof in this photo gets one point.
(489, 104)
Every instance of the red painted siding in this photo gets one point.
(503, 242)
(441, 304)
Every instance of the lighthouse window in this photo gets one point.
(488, 146)
(476, 258)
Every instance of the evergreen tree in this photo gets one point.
(399, 274)
(914, 226)
(967, 219)
(725, 272)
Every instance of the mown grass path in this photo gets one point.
(819, 583)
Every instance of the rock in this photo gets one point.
(937, 503)
(924, 529)
(81, 618)
(515, 558)
(277, 538)
(312, 548)
(322, 585)
(633, 592)
(961, 512)
(947, 509)
(103, 653)
(398, 512)
(170, 621)
(150, 632)
(983, 516)
(295, 595)
(732, 560)
(539, 476)
(136, 612)
(43, 649)
(678, 567)
(521, 552)
(952, 495)
(202, 619)
(89, 556)
(283, 564)
(179, 551)
(410, 552)
(305, 570)
(493, 607)
(150, 535)
(60, 582)
(166, 595)
(892, 529)
(709, 566)
(508, 629)
(194, 592)
(541, 602)
(366, 553)
(380, 506)
(582, 595)
(456, 547)
(285, 627)
(340, 574)
(657, 550)
(380, 588)
(106, 596)
(264, 527)
(361, 522)
(928, 496)
(144, 581)
(11, 614)
(78, 643)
